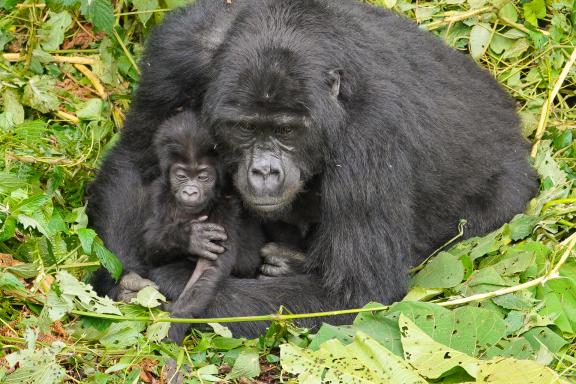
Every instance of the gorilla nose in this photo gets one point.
(266, 175)
(190, 194)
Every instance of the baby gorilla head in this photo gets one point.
(188, 162)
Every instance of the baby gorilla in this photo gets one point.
(193, 220)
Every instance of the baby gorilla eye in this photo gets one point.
(203, 176)
(181, 175)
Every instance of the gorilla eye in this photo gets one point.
(286, 130)
(181, 176)
(204, 176)
(247, 128)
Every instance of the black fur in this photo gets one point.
(418, 137)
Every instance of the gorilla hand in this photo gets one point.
(202, 238)
(280, 260)
(130, 284)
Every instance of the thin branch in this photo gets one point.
(548, 104)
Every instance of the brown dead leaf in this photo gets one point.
(83, 37)
(6, 260)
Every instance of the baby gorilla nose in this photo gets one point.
(265, 173)
(190, 194)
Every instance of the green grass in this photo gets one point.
(503, 304)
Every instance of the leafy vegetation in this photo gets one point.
(496, 309)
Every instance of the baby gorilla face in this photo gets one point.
(193, 185)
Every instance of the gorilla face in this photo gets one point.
(266, 117)
(270, 171)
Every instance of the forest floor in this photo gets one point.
(497, 309)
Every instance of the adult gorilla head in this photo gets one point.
(270, 111)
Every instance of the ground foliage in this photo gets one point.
(495, 309)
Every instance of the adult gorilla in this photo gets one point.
(347, 121)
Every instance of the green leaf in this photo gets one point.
(40, 94)
(145, 6)
(149, 297)
(534, 10)
(443, 271)
(512, 371)
(545, 336)
(13, 109)
(518, 48)
(508, 12)
(156, 332)
(521, 226)
(363, 361)
(467, 329)
(36, 366)
(247, 365)
(108, 260)
(90, 110)
(100, 13)
(546, 166)
(86, 237)
(225, 343)
(480, 37)
(430, 358)
(9, 282)
(559, 298)
(221, 330)
(343, 333)
(8, 228)
(52, 32)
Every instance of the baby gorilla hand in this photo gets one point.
(202, 238)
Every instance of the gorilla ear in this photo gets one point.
(334, 81)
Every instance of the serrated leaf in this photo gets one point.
(100, 13)
(108, 260)
(40, 94)
(52, 32)
(8, 228)
(86, 237)
(534, 10)
(145, 7)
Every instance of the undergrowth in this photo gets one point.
(496, 309)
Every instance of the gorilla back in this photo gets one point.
(348, 121)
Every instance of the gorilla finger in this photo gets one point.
(207, 255)
(276, 260)
(215, 248)
(134, 282)
(210, 227)
(274, 271)
(216, 235)
(200, 219)
(126, 296)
